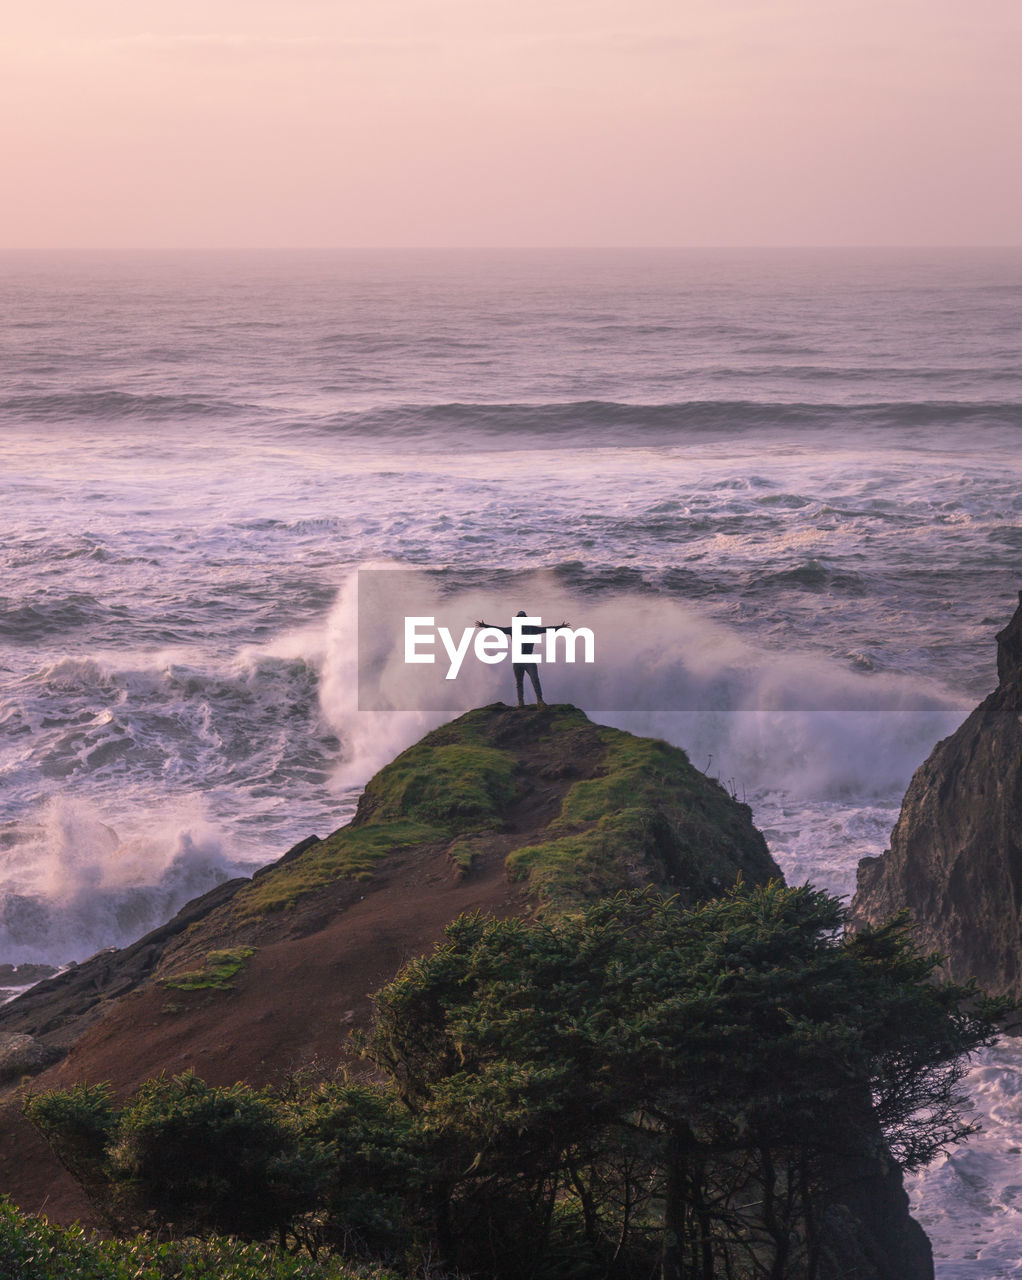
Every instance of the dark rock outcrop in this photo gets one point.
(22, 1055)
(955, 859)
(20, 975)
(58, 1009)
(867, 1231)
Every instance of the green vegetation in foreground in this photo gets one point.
(638, 1088)
(33, 1249)
(649, 815)
(215, 974)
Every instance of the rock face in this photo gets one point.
(22, 1055)
(532, 808)
(869, 1232)
(955, 859)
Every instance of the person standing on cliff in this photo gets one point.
(528, 646)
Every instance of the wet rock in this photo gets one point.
(21, 975)
(955, 859)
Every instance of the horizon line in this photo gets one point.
(503, 248)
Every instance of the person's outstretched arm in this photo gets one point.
(553, 626)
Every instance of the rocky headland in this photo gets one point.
(955, 860)
(503, 811)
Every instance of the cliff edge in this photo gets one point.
(955, 859)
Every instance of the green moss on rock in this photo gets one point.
(648, 816)
(351, 853)
(215, 974)
(459, 786)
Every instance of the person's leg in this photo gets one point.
(519, 670)
(534, 677)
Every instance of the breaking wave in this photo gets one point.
(72, 885)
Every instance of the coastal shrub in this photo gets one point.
(710, 1073)
(331, 1165)
(33, 1249)
(78, 1124)
(632, 1087)
(204, 1158)
(370, 1203)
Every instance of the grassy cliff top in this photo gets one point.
(579, 809)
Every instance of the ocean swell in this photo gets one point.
(623, 423)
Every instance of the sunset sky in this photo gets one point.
(485, 122)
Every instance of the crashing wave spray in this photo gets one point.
(797, 721)
(71, 885)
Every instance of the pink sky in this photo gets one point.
(486, 122)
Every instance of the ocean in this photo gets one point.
(783, 487)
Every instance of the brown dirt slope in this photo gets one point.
(502, 811)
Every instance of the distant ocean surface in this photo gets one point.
(785, 485)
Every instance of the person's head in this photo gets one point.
(521, 614)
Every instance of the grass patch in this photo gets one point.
(464, 852)
(458, 786)
(637, 772)
(430, 792)
(215, 974)
(567, 872)
(349, 854)
(648, 818)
